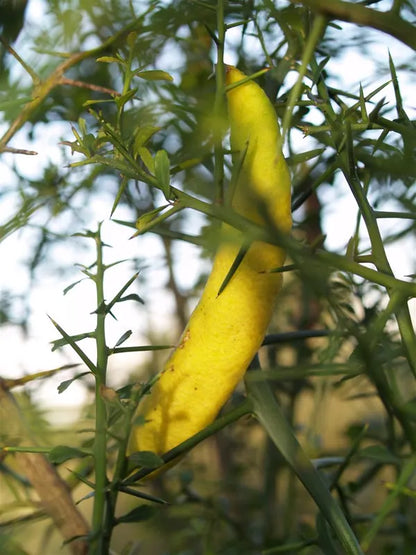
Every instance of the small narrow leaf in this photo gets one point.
(62, 453)
(186, 164)
(146, 158)
(124, 222)
(132, 38)
(109, 60)
(63, 386)
(378, 453)
(61, 342)
(154, 75)
(162, 173)
(131, 297)
(121, 100)
(67, 289)
(305, 156)
(119, 194)
(143, 222)
(140, 513)
(146, 459)
(142, 135)
(74, 345)
(123, 338)
(99, 101)
(318, 70)
(151, 219)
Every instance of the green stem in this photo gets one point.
(401, 215)
(97, 546)
(119, 473)
(348, 168)
(340, 262)
(315, 36)
(219, 111)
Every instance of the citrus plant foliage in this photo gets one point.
(126, 107)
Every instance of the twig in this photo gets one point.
(90, 86)
(42, 89)
(388, 22)
(19, 151)
(53, 492)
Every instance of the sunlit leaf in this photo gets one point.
(154, 75)
(162, 171)
(62, 453)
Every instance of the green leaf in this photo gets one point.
(123, 338)
(67, 289)
(154, 75)
(63, 386)
(378, 453)
(99, 101)
(145, 221)
(131, 39)
(142, 135)
(162, 173)
(131, 297)
(124, 222)
(318, 70)
(186, 164)
(146, 158)
(61, 342)
(305, 156)
(75, 347)
(146, 459)
(123, 99)
(62, 453)
(119, 194)
(109, 60)
(140, 513)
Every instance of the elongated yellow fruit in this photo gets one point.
(225, 331)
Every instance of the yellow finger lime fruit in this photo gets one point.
(225, 331)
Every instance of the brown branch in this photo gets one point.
(90, 86)
(42, 89)
(54, 494)
(19, 151)
(388, 22)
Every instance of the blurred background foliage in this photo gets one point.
(341, 354)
